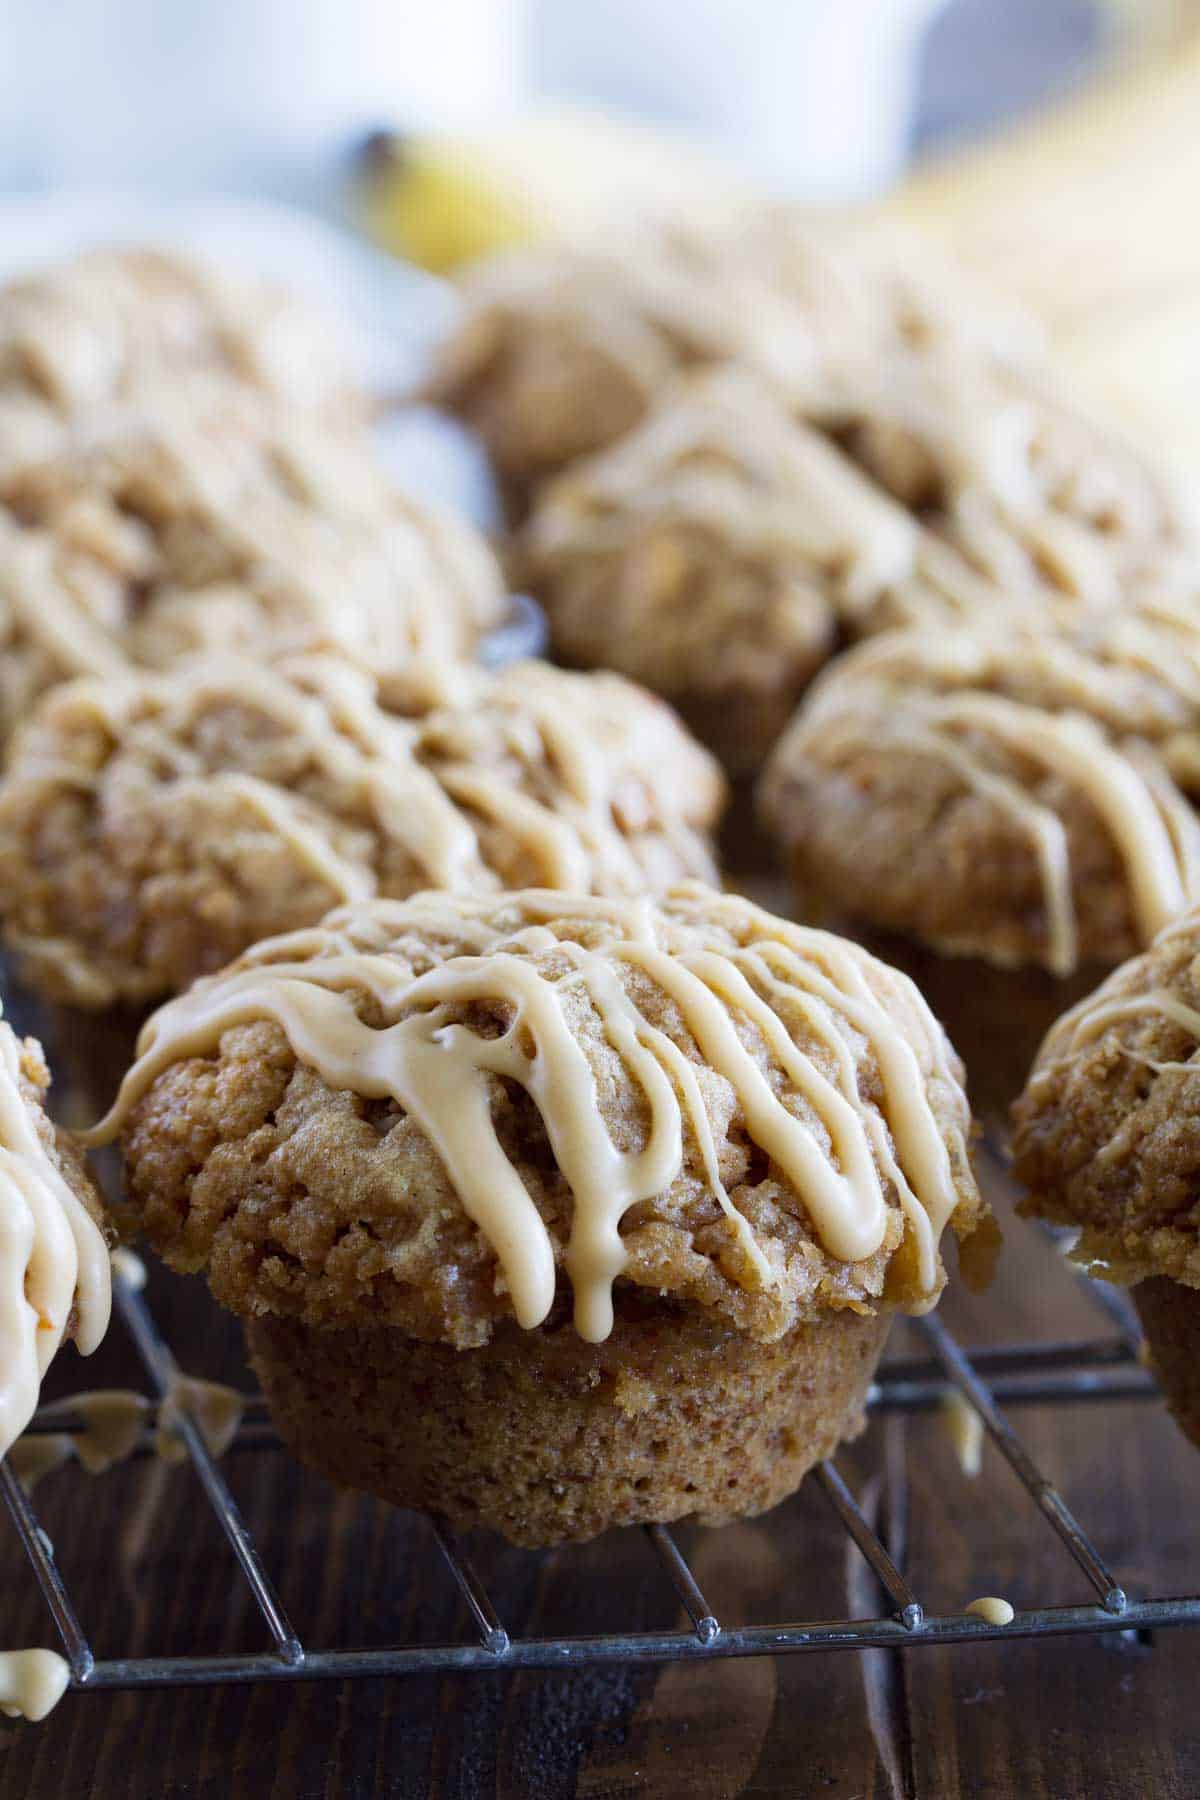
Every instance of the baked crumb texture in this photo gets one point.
(152, 826)
(751, 1135)
(214, 522)
(110, 327)
(561, 349)
(545, 1438)
(54, 1270)
(721, 552)
(996, 1018)
(1107, 1140)
(997, 459)
(1019, 795)
(1170, 1315)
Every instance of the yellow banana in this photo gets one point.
(442, 201)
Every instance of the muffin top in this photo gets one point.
(180, 528)
(723, 464)
(154, 825)
(562, 349)
(442, 1112)
(993, 455)
(54, 1269)
(1107, 1132)
(1022, 795)
(110, 325)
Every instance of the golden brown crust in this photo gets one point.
(110, 326)
(562, 350)
(305, 1201)
(547, 1439)
(132, 861)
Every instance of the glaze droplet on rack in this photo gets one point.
(32, 1682)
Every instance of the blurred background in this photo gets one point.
(819, 98)
(1054, 144)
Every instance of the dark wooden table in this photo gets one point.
(1066, 1717)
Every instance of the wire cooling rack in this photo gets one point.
(1059, 1374)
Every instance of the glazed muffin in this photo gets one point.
(1107, 1140)
(720, 553)
(235, 526)
(563, 349)
(994, 455)
(1021, 798)
(111, 325)
(154, 825)
(553, 1213)
(54, 1268)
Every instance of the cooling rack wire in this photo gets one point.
(1066, 1374)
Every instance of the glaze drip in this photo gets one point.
(53, 1258)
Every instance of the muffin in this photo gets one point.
(176, 530)
(553, 1213)
(995, 456)
(720, 552)
(154, 825)
(1023, 798)
(562, 349)
(111, 325)
(54, 1270)
(1107, 1140)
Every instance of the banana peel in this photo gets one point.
(561, 175)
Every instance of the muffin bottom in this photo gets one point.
(1170, 1315)
(547, 1439)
